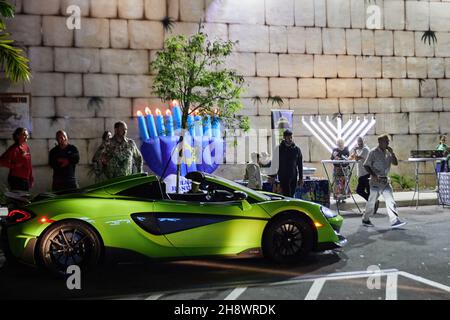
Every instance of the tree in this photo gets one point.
(12, 58)
(191, 71)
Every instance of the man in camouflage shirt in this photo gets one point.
(121, 156)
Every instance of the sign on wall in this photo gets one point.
(14, 113)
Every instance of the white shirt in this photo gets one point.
(379, 161)
(363, 153)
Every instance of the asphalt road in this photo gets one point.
(377, 264)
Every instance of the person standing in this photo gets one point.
(442, 146)
(63, 159)
(18, 159)
(360, 153)
(340, 172)
(290, 168)
(99, 160)
(378, 165)
(121, 156)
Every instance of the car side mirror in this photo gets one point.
(239, 195)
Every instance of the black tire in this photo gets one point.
(68, 243)
(287, 239)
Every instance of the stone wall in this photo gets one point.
(318, 55)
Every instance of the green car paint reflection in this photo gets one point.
(134, 215)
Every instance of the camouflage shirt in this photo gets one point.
(123, 158)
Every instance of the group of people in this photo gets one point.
(117, 156)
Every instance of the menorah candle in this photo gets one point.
(207, 126)
(176, 114)
(160, 123)
(198, 128)
(169, 124)
(190, 124)
(142, 127)
(151, 123)
(216, 126)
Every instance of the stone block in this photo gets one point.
(312, 88)
(417, 105)
(333, 41)
(353, 41)
(280, 12)
(41, 7)
(45, 128)
(384, 43)
(192, 10)
(252, 38)
(249, 109)
(394, 67)
(42, 107)
(267, 65)
(216, 31)
(368, 67)
(392, 123)
(328, 106)
(100, 85)
(304, 13)
(447, 67)
(18, 6)
(77, 60)
(278, 39)
(428, 88)
(440, 16)
(131, 9)
(43, 179)
(264, 108)
(417, 15)
(424, 122)
(296, 65)
(368, 42)
(346, 66)
(46, 85)
(405, 88)
(427, 141)
(94, 34)
(444, 122)
(319, 153)
(423, 49)
(341, 88)
(338, 13)
(384, 105)
(325, 66)
(41, 59)
(119, 34)
(186, 29)
(416, 67)
(85, 128)
(313, 40)
(146, 34)
(346, 106)
(283, 87)
(300, 129)
(384, 89)
(402, 145)
(26, 29)
(320, 13)
(155, 9)
(82, 4)
(369, 88)
(256, 87)
(236, 12)
(39, 151)
(7, 86)
(304, 106)
(73, 84)
(136, 86)
(438, 104)
(243, 63)
(358, 14)
(56, 32)
(104, 8)
(443, 88)
(82, 146)
(446, 104)
(394, 15)
(436, 67)
(73, 108)
(124, 61)
(173, 9)
(296, 37)
(140, 104)
(442, 46)
(361, 105)
(404, 43)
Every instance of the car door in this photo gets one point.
(211, 228)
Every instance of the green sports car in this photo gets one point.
(135, 215)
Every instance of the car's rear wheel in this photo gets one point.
(69, 243)
(287, 239)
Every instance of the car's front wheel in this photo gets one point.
(287, 239)
(69, 243)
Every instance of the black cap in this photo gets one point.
(287, 133)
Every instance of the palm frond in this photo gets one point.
(95, 103)
(168, 23)
(275, 100)
(429, 36)
(256, 100)
(13, 60)
(6, 9)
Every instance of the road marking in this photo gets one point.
(315, 289)
(426, 281)
(155, 296)
(236, 293)
(391, 286)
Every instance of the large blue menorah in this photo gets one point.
(203, 145)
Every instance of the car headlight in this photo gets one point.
(328, 213)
